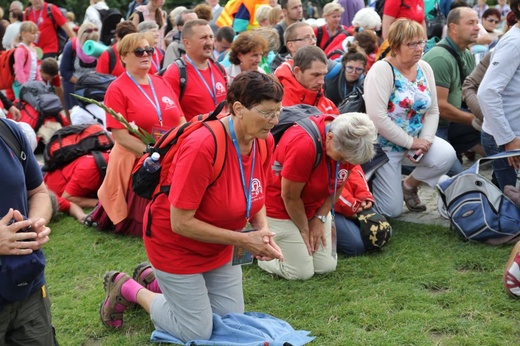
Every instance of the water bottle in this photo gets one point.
(152, 163)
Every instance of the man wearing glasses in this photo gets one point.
(451, 62)
(297, 35)
(303, 79)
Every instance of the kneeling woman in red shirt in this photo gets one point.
(300, 197)
(196, 229)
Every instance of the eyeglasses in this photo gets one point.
(413, 45)
(270, 115)
(491, 20)
(351, 69)
(308, 38)
(139, 52)
(90, 30)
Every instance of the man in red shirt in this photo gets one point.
(47, 39)
(303, 79)
(108, 61)
(206, 83)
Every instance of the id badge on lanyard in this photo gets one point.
(158, 130)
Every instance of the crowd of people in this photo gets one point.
(292, 203)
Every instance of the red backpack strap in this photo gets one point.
(220, 137)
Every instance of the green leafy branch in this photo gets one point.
(143, 135)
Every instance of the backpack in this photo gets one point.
(109, 20)
(183, 76)
(12, 142)
(477, 208)
(299, 115)
(41, 98)
(93, 85)
(320, 36)
(7, 69)
(71, 142)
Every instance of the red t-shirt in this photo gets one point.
(325, 36)
(411, 9)
(221, 204)
(47, 38)
(296, 153)
(79, 178)
(197, 98)
(103, 63)
(156, 60)
(124, 97)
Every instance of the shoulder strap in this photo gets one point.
(219, 133)
(49, 14)
(111, 59)
(320, 35)
(312, 129)
(13, 143)
(101, 163)
(457, 58)
(393, 73)
(183, 76)
(221, 69)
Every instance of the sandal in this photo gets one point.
(112, 308)
(145, 276)
(89, 222)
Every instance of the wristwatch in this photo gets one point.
(322, 218)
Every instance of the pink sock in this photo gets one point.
(129, 290)
(154, 287)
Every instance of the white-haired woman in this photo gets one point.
(300, 195)
(75, 63)
(327, 33)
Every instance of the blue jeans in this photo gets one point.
(442, 132)
(504, 173)
(348, 236)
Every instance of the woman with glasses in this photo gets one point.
(401, 99)
(303, 189)
(74, 62)
(158, 54)
(200, 228)
(350, 77)
(490, 20)
(147, 102)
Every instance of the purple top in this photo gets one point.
(351, 7)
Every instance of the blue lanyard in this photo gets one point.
(155, 104)
(247, 193)
(333, 196)
(212, 92)
(39, 19)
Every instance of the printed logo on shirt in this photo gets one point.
(329, 108)
(168, 102)
(256, 190)
(342, 176)
(221, 89)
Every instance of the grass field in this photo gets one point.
(426, 288)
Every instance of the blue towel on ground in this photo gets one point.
(248, 329)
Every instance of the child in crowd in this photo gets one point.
(25, 57)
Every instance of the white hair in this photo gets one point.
(354, 135)
(367, 18)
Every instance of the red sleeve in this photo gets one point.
(102, 63)
(392, 8)
(355, 191)
(171, 76)
(59, 18)
(56, 81)
(115, 98)
(300, 155)
(63, 204)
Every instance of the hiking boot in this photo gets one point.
(411, 199)
(112, 308)
(144, 275)
(512, 273)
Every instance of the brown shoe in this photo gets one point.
(112, 308)
(411, 199)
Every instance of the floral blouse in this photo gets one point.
(407, 105)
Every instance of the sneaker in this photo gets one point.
(443, 211)
(512, 273)
(112, 308)
(411, 199)
(143, 274)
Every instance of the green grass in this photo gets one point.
(426, 288)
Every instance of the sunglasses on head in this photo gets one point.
(139, 52)
(90, 30)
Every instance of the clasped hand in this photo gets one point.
(15, 241)
(262, 245)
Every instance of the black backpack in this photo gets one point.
(93, 86)
(299, 115)
(109, 20)
(41, 98)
